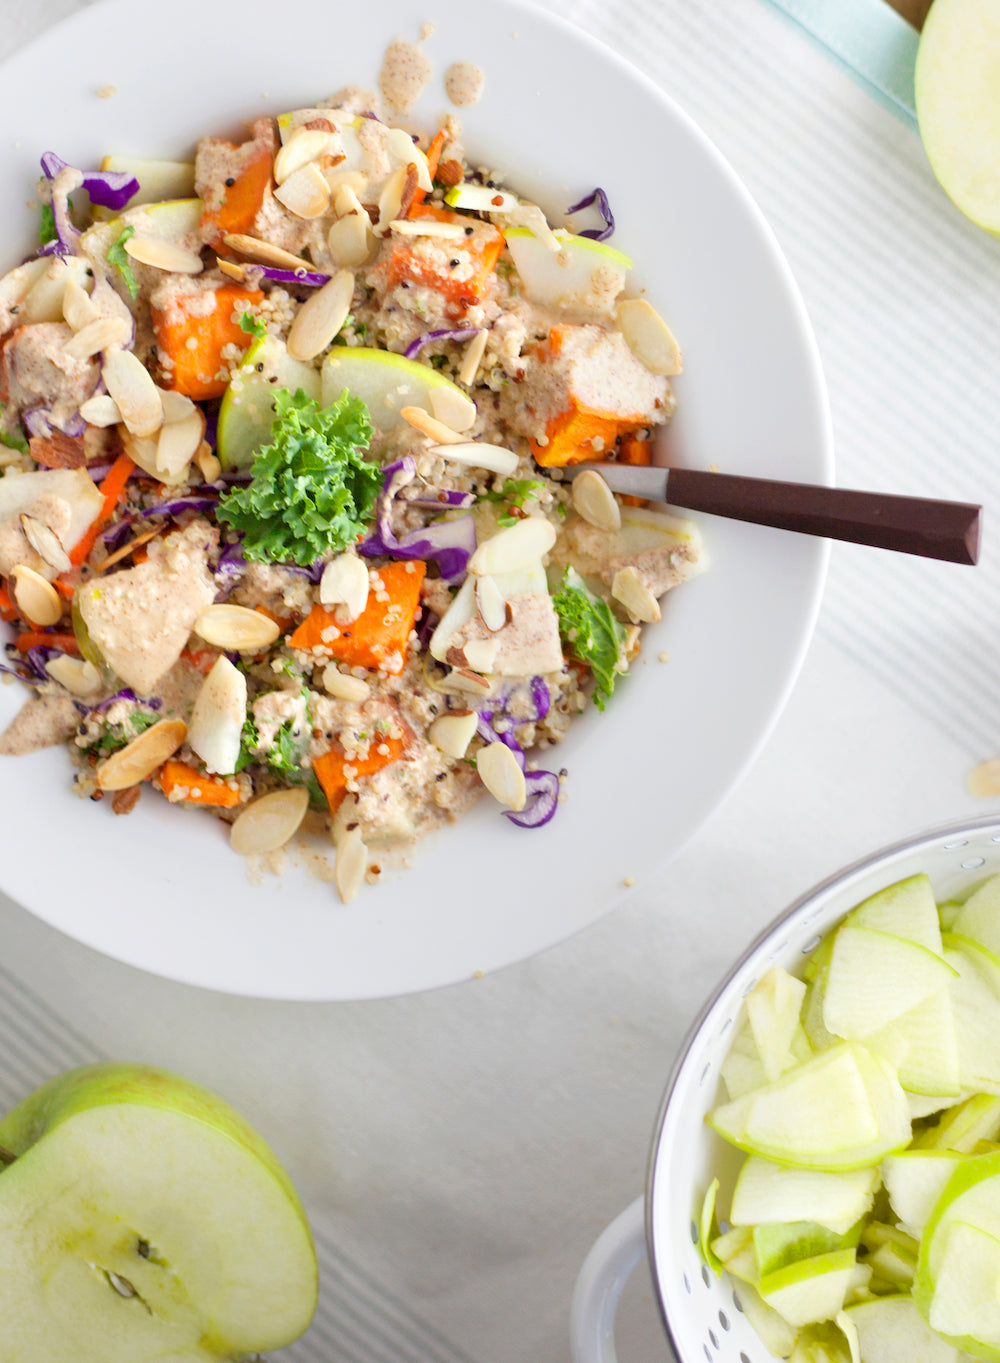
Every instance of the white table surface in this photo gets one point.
(459, 1151)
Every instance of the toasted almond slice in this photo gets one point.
(502, 777)
(493, 609)
(268, 822)
(35, 597)
(304, 145)
(464, 679)
(105, 563)
(237, 272)
(595, 501)
(405, 150)
(141, 450)
(983, 781)
(350, 240)
(453, 408)
(350, 864)
(452, 733)
(354, 180)
(430, 426)
(427, 227)
(390, 201)
(97, 336)
(472, 358)
(649, 338)
(130, 384)
(346, 201)
(176, 406)
(236, 627)
(481, 654)
(207, 462)
(178, 444)
(305, 193)
(513, 548)
(628, 588)
(342, 686)
(142, 756)
(101, 410)
(77, 308)
(321, 316)
(164, 255)
(252, 248)
(477, 454)
(46, 543)
(345, 582)
(79, 677)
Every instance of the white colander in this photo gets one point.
(701, 1312)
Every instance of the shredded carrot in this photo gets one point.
(7, 611)
(112, 489)
(378, 637)
(195, 369)
(433, 157)
(329, 767)
(34, 638)
(199, 788)
(201, 659)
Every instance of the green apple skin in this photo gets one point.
(246, 413)
(384, 380)
(103, 1105)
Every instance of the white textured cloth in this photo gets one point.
(459, 1151)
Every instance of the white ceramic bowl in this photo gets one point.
(161, 889)
(701, 1312)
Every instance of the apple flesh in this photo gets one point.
(384, 381)
(246, 413)
(143, 1219)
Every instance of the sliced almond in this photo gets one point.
(208, 464)
(350, 241)
(130, 384)
(237, 272)
(142, 756)
(452, 733)
(493, 609)
(45, 542)
(97, 336)
(178, 444)
(79, 677)
(345, 582)
(105, 563)
(472, 358)
(350, 864)
(500, 774)
(464, 679)
(477, 454)
(252, 248)
(649, 338)
(305, 192)
(164, 255)
(354, 180)
(595, 502)
(342, 686)
(77, 308)
(628, 588)
(514, 548)
(101, 410)
(236, 627)
(218, 716)
(141, 450)
(304, 145)
(267, 823)
(481, 654)
(452, 407)
(430, 426)
(427, 227)
(176, 406)
(391, 200)
(35, 597)
(346, 201)
(321, 316)
(403, 148)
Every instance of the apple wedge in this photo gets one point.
(979, 917)
(143, 1219)
(583, 273)
(891, 1328)
(914, 1180)
(905, 909)
(777, 1246)
(773, 1013)
(246, 413)
(766, 1193)
(384, 381)
(810, 1290)
(962, 1127)
(158, 180)
(873, 978)
(923, 1046)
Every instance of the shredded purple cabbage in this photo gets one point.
(452, 334)
(542, 786)
(314, 278)
(126, 693)
(181, 504)
(541, 696)
(109, 188)
(600, 200)
(36, 658)
(439, 501)
(449, 543)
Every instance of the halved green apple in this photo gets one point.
(246, 413)
(143, 1219)
(384, 381)
(581, 271)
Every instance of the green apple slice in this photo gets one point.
(246, 413)
(844, 1109)
(158, 180)
(774, 1331)
(812, 1017)
(965, 1304)
(385, 382)
(810, 1290)
(905, 909)
(773, 1013)
(891, 1328)
(914, 1180)
(958, 104)
(143, 1220)
(962, 1127)
(873, 978)
(573, 276)
(768, 1192)
(923, 1046)
(976, 1010)
(979, 916)
(893, 1266)
(778, 1245)
(480, 198)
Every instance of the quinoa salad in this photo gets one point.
(287, 526)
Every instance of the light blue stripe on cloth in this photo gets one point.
(868, 37)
